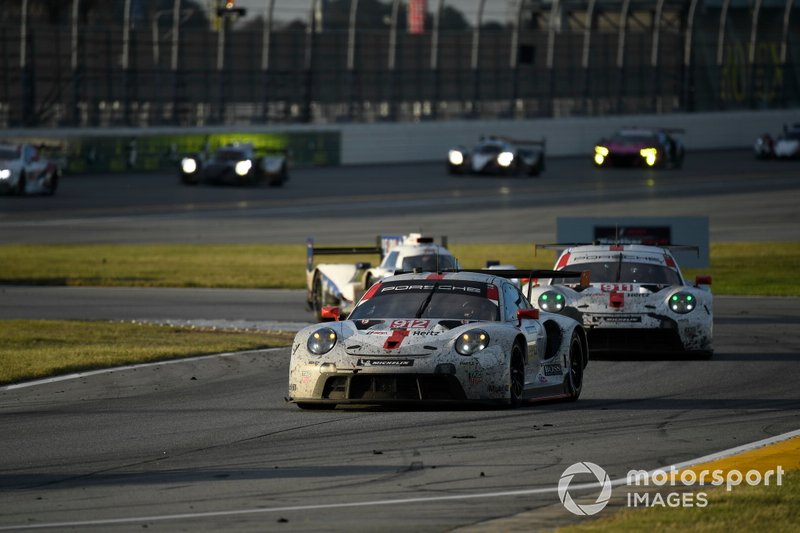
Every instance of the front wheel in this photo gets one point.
(516, 382)
(573, 381)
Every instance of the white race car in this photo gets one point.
(23, 170)
(449, 337)
(637, 301)
(342, 284)
(786, 146)
(498, 155)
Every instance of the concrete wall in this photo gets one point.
(426, 141)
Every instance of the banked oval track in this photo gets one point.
(209, 444)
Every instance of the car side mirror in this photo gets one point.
(330, 313)
(527, 314)
(702, 280)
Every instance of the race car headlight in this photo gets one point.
(188, 165)
(602, 150)
(682, 302)
(322, 341)
(552, 302)
(472, 342)
(455, 157)
(243, 167)
(504, 159)
(4, 173)
(649, 155)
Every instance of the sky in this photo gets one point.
(298, 9)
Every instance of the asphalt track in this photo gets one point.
(209, 444)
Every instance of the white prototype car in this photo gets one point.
(786, 146)
(448, 337)
(342, 284)
(23, 170)
(637, 301)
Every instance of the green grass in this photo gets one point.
(32, 349)
(766, 269)
(760, 508)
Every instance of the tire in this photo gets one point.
(316, 299)
(516, 377)
(21, 185)
(573, 381)
(315, 406)
(52, 183)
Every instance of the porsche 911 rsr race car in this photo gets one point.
(637, 301)
(498, 155)
(449, 337)
(23, 170)
(342, 284)
(634, 147)
(235, 164)
(786, 146)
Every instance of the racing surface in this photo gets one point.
(746, 200)
(209, 444)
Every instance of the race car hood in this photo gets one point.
(479, 161)
(399, 336)
(621, 296)
(631, 147)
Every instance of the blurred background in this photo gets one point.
(142, 63)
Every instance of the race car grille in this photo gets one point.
(649, 340)
(625, 159)
(393, 387)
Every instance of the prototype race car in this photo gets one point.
(454, 336)
(640, 147)
(342, 284)
(498, 155)
(23, 170)
(637, 301)
(235, 164)
(786, 146)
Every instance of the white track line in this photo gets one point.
(374, 503)
(77, 375)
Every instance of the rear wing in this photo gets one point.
(338, 250)
(383, 245)
(531, 274)
(526, 142)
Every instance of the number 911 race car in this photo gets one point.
(444, 337)
(638, 300)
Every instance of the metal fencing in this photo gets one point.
(96, 64)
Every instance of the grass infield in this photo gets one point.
(753, 269)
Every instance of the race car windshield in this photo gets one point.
(428, 263)
(624, 272)
(8, 154)
(489, 149)
(230, 155)
(459, 300)
(622, 138)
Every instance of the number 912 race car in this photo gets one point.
(440, 337)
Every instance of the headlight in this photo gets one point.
(321, 341)
(472, 341)
(188, 165)
(504, 159)
(455, 157)
(552, 302)
(682, 302)
(602, 150)
(649, 155)
(4, 173)
(243, 167)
